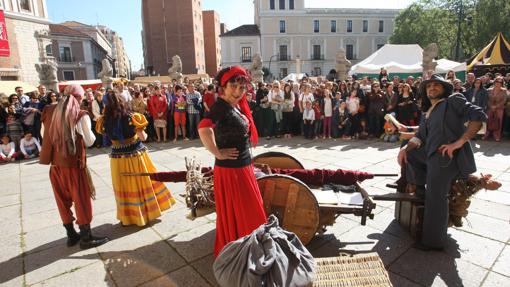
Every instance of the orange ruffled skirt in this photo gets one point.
(139, 199)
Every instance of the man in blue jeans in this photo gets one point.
(194, 107)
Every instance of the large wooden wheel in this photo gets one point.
(277, 160)
(292, 202)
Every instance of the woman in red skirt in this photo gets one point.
(227, 132)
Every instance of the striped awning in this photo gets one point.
(496, 53)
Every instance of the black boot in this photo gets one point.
(89, 241)
(72, 236)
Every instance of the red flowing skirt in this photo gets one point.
(239, 206)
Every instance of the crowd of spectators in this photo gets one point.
(313, 108)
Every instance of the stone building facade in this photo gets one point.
(289, 31)
(122, 64)
(26, 22)
(78, 55)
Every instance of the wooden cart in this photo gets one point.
(293, 202)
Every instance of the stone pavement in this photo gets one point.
(177, 251)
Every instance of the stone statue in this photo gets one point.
(44, 33)
(429, 54)
(175, 71)
(257, 74)
(48, 74)
(342, 65)
(106, 74)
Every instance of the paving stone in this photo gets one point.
(88, 276)
(486, 226)
(10, 247)
(161, 265)
(46, 238)
(104, 204)
(494, 196)
(41, 220)
(11, 272)
(142, 265)
(55, 261)
(195, 243)
(37, 195)
(385, 221)
(488, 208)
(124, 239)
(35, 207)
(204, 267)
(503, 262)
(399, 281)
(10, 220)
(186, 276)
(437, 269)
(176, 221)
(496, 280)
(366, 239)
(8, 200)
(467, 246)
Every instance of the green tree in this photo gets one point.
(421, 24)
(428, 21)
(489, 18)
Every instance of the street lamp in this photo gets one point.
(459, 8)
(270, 59)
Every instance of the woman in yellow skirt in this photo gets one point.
(139, 199)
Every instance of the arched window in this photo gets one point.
(49, 50)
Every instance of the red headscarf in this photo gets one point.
(240, 72)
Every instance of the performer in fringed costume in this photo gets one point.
(139, 199)
(227, 132)
(67, 131)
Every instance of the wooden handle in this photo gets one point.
(135, 173)
(385, 174)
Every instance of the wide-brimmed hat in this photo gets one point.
(448, 87)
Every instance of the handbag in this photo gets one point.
(276, 107)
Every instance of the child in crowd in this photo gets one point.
(344, 121)
(390, 132)
(308, 119)
(29, 146)
(180, 113)
(317, 124)
(328, 113)
(7, 150)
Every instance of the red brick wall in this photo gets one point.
(211, 38)
(176, 18)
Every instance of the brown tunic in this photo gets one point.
(49, 153)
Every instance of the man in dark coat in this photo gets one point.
(439, 153)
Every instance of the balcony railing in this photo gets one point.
(66, 59)
(317, 57)
(284, 57)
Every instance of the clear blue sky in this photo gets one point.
(125, 18)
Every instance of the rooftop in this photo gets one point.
(244, 30)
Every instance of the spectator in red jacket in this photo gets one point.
(158, 107)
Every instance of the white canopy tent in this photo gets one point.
(401, 60)
(293, 77)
